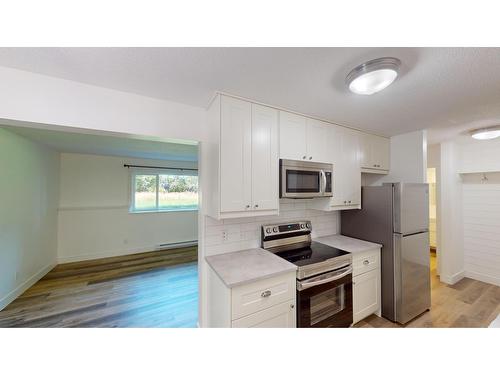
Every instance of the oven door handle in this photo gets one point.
(301, 285)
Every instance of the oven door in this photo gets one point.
(325, 300)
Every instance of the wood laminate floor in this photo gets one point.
(155, 289)
(468, 303)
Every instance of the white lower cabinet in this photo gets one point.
(278, 316)
(266, 303)
(366, 286)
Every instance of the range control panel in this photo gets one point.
(300, 227)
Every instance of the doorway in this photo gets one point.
(431, 180)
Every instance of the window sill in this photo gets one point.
(162, 211)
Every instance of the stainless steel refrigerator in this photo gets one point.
(396, 215)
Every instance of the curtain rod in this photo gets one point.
(148, 166)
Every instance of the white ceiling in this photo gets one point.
(447, 89)
(108, 145)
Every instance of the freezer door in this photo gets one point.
(412, 275)
(411, 208)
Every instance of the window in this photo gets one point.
(153, 191)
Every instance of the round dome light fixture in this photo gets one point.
(486, 133)
(373, 76)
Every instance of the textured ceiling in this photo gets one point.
(446, 89)
(108, 145)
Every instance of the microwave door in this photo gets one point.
(301, 183)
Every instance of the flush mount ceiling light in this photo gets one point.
(486, 133)
(373, 76)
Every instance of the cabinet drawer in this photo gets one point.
(366, 261)
(250, 298)
(278, 316)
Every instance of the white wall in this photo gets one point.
(94, 217)
(28, 215)
(434, 161)
(408, 158)
(450, 214)
(480, 207)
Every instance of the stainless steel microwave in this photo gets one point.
(305, 179)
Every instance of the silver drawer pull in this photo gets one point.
(265, 294)
(366, 262)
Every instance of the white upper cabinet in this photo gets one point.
(235, 155)
(243, 159)
(293, 136)
(317, 141)
(374, 153)
(346, 171)
(265, 163)
(303, 138)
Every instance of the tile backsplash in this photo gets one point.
(228, 235)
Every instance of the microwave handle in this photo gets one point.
(323, 182)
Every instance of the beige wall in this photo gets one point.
(94, 217)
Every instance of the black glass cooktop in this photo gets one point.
(315, 253)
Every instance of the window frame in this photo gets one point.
(156, 173)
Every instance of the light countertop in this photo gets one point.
(246, 266)
(349, 244)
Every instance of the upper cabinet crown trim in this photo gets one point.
(222, 93)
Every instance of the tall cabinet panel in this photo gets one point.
(264, 158)
(235, 155)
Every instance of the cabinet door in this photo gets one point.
(278, 316)
(265, 162)
(346, 171)
(292, 136)
(381, 152)
(235, 155)
(317, 141)
(352, 172)
(365, 151)
(365, 294)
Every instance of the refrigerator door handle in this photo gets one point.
(414, 233)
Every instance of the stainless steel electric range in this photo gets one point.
(324, 274)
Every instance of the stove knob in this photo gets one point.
(275, 229)
(308, 225)
(302, 226)
(268, 230)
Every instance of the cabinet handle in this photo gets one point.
(345, 202)
(349, 201)
(265, 294)
(256, 206)
(304, 157)
(247, 206)
(366, 262)
(292, 306)
(310, 157)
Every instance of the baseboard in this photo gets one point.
(25, 286)
(482, 277)
(453, 279)
(108, 254)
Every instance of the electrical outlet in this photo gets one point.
(224, 236)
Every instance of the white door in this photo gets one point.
(278, 316)
(317, 141)
(365, 295)
(381, 152)
(235, 157)
(292, 136)
(265, 163)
